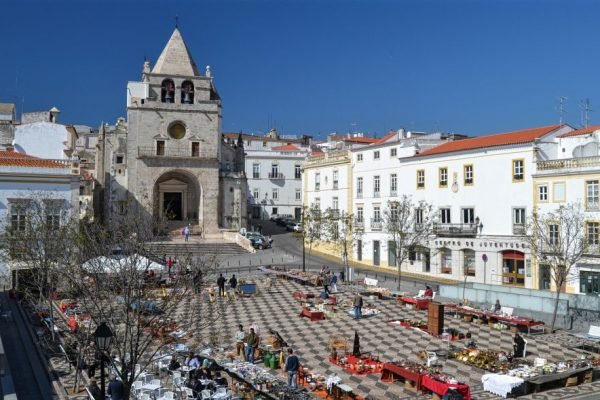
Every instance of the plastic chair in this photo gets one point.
(168, 395)
(189, 393)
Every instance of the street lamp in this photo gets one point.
(103, 335)
(304, 227)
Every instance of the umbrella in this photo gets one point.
(356, 349)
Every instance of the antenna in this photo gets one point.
(586, 109)
(561, 109)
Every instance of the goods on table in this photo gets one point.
(490, 360)
(358, 365)
(337, 343)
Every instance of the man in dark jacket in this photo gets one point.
(292, 364)
(221, 284)
(115, 389)
(233, 282)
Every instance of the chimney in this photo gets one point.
(401, 133)
(54, 115)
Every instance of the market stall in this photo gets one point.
(420, 303)
(362, 365)
(408, 372)
(518, 322)
(312, 314)
(442, 384)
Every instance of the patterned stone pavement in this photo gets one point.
(275, 308)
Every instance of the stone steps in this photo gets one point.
(194, 248)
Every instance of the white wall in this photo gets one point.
(42, 139)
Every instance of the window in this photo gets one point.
(518, 221)
(468, 174)
(195, 149)
(518, 170)
(160, 147)
(445, 215)
(317, 181)
(513, 268)
(359, 250)
(392, 253)
(377, 214)
(360, 215)
(18, 216)
(275, 194)
(589, 282)
(359, 187)
(591, 197)
(256, 195)
(553, 233)
(558, 192)
(418, 216)
(469, 262)
(176, 130)
(394, 211)
(255, 171)
(167, 91)
(443, 174)
(420, 179)
(593, 230)
(119, 159)
(543, 192)
(446, 261)
(52, 217)
(359, 157)
(317, 204)
(335, 204)
(393, 184)
(298, 194)
(393, 152)
(264, 144)
(274, 212)
(376, 155)
(274, 170)
(297, 172)
(335, 179)
(376, 186)
(468, 215)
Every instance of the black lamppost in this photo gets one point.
(304, 227)
(103, 335)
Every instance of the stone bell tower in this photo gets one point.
(174, 144)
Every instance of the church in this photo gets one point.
(169, 159)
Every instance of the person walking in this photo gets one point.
(90, 358)
(115, 389)
(233, 282)
(221, 284)
(251, 341)
(186, 233)
(342, 276)
(357, 304)
(240, 336)
(169, 265)
(292, 364)
(334, 283)
(95, 390)
(326, 282)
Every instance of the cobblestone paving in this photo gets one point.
(276, 309)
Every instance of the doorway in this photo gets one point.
(376, 258)
(172, 206)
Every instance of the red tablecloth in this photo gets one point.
(390, 370)
(358, 365)
(420, 304)
(302, 295)
(313, 315)
(442, 388)
(512, 320)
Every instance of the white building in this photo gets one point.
(274, 173)
(482, 189)
(569, 172)
(48, 140)
(24, 178)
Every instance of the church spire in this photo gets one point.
(175, 58)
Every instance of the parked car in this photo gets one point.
(284, 219)
(274, 217)
(259, 242)
(298, 227)
(290, 225)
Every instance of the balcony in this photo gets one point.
(335, 185)
(317, 187)
(334, 213)
(568, 163)
(393, 193)
(376, 224)
(359, 223)
(455, 230)
(519, 229)
(276, 176)
(359, 195)
(591, 205)
(173, 152)
(377, 194)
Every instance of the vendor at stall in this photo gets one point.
(518, 345)
(428, 292)
(240, 337)
(497, 307)
(470, 343)
(192, 361)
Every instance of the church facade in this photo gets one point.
(169, 159)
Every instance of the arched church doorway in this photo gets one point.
(177, 197)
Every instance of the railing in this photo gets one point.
(375, 224)
(591, 205)
(335, 185)
(359, 195)
(393, 193)
(519, 229)
(359, 223)
(317, 186)
(276, 175)
(334, 213)
(173, 152)
(569, 163)
(376, 194)
(465, 230)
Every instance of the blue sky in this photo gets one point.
(314, 67)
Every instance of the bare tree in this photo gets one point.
(409, 225)
(312, 222)
(558, 240)
(340, 230)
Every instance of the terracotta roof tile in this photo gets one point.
(286, 148)
(14, 159)
(387, 137)
(498, 139)
(582, 131)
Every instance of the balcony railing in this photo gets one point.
(359, 195)
(173, 152)
(317, 186)
(334, 213)
(376, 224)
(519, 229)
(335, 185)
(359, 223)
(377, 194)
(452, 230)
(569, 163)
(393, 193)
(276, 176)
(591, 205)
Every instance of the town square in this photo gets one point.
(299, 200)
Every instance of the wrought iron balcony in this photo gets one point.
(359, 223)
(359, 195)
(334, 213)
(173, 152)
(317, 187)
(276, 175)
(519, 229)
(376, 194)
(376, 224)
(335, 185)
(393, 193)
(453, 230)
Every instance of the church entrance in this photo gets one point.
(172, 206)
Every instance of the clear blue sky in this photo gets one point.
(471, 67)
